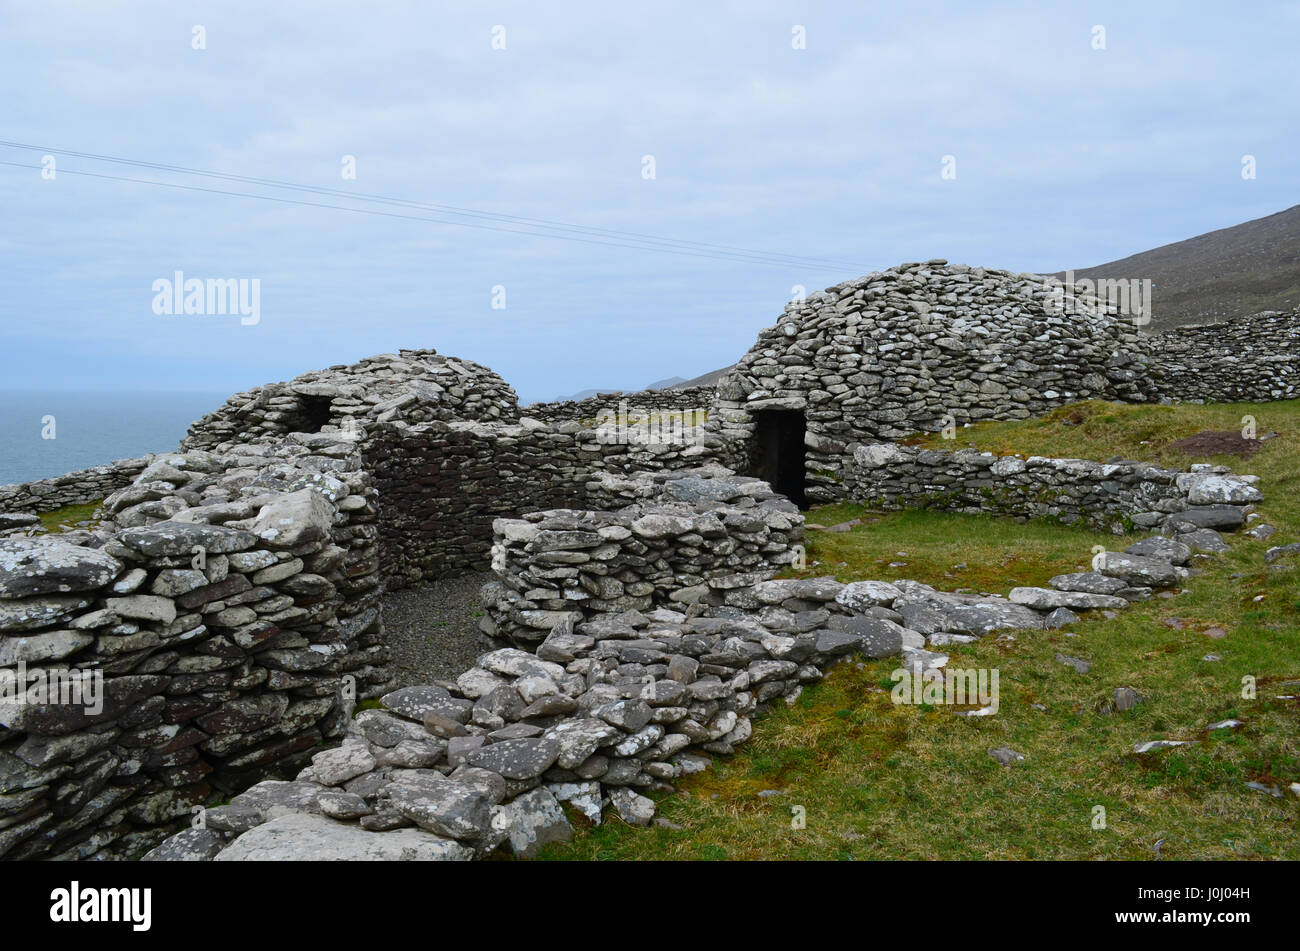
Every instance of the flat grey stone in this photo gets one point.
(988, 616)
(32, 566)
(859, 595)
(191, 845)
(1059, 618)
(1139, 570)
(578, 739)
(144, 607)
(273, 798)
(1208, 516)
(1279, 552)
(1091, 582)
(1219, 489)
(444, 806)
(335, 767)
(415, 703)
(877, 637)
(1166, 549)
(516, 759)
(1049, 599)
(181, 538)
(308, 838)
(530, 822)
(34, 648)
(1203, 540)
(27, 614)
(632, 808)
(297, 519)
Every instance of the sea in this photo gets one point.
(89, 428)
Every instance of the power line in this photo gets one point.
(624, 239)
(387, 214)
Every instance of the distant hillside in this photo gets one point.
(671, 383)
(708, 379)
(1227, 273)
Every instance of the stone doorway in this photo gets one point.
(777, 455)
(314, 413)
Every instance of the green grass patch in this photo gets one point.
(948, 551)
(71, 517)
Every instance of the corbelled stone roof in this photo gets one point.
(899, 349)
(411, 386)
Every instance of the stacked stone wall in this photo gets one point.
(697, 398)
(442, 485)
(218, 625)
(1115, 496)
(75, 488)
(1254, 359)
(685, 536)
(923, 346)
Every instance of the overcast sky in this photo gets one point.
(1065, 155)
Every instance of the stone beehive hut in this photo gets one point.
(446, 445)
(411, 386)
(916, 348)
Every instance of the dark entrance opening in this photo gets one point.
(778, 452)
(313, 413)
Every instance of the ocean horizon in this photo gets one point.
(91, 427)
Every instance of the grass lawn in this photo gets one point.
(878, 780)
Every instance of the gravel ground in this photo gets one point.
(433, 629)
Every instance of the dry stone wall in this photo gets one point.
(1254, 359)
(686, 535)
(219, 623)
(441, 485)
(448, 450)
(695, 398)
(75, 488)
(1107, 496)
